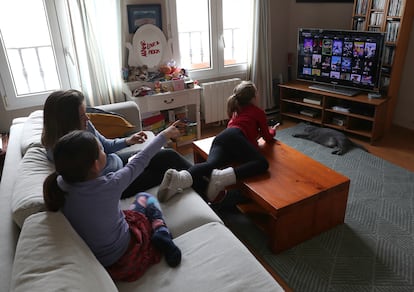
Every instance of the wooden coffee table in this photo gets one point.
(299, 197)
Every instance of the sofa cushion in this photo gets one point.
(111, 125)
(213, 259)
(32, 131)
(50, 256)
(27, 196)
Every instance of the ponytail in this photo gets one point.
(232, 105)
(53, 195)
(243, 94)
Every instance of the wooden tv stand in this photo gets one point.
(299, 197)
(365, 117)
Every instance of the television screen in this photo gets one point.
(344, 58)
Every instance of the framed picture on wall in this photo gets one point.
(139, 15)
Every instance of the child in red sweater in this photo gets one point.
(237, 144)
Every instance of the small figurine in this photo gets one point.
(157, 86)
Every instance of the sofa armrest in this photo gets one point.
(51, 256)
(9, 232)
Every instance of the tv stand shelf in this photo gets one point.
(357, 114)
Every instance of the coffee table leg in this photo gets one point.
(197, 157)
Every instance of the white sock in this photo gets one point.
(220, 178)
(173, 182)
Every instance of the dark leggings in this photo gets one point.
(230, 147)
(148, 205)
(154, 172)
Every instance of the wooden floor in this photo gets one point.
(397, 146)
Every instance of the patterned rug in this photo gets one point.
(372, 251)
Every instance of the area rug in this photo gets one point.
(372, 251)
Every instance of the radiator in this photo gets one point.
(214, 99)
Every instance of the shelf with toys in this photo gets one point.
(165, 93)
(161, 90)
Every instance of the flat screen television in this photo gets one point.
(340, 61)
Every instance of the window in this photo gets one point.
(32, 58)
(213, 36)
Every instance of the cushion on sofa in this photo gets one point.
(51, 256)
(111, 125)
(27, 196)
(213, 259)
(32, 131)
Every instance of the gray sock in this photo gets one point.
(220, 178)
(173, 182)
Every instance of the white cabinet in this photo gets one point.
(167, 100)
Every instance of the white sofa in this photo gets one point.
(39, 250)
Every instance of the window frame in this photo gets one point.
(56, 14)
(217, 69)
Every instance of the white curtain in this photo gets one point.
(261, 59)
(96, 28)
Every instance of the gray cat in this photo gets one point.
(329, 138)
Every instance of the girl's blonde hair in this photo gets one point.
(242, 95)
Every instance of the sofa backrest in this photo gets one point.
(127, 109)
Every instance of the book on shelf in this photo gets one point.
(361, 7)
(341, 109)
(376, 18)
(378, 4)
(359, 24)
(308, 113)
(155, 127)
(153, 119)
(392, 30)
(145, 115)
(388, 56)
(395, 8)
(312, 100)
(154, 123)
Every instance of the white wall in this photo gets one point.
(289, 16)
(280, 39)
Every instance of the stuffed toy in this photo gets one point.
(165, 69)
(139, 73)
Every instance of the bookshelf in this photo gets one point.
(394, 17)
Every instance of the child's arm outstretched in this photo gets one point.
(141, 160)
(268, 133)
